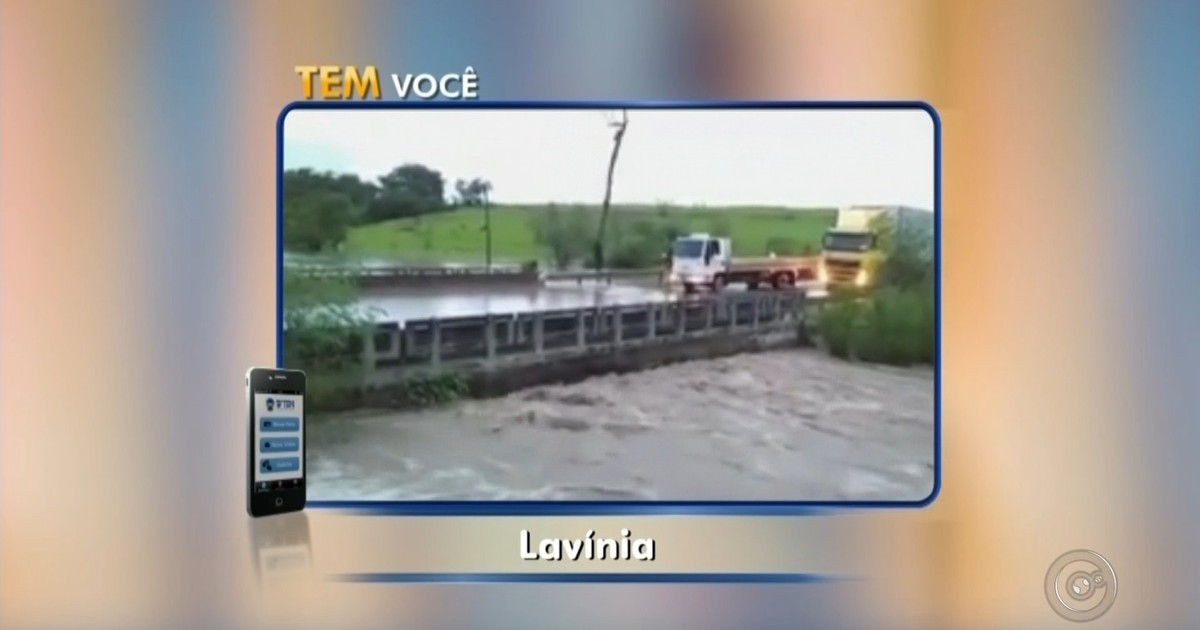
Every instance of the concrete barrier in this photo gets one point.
(497, 354)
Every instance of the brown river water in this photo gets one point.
(783, 425)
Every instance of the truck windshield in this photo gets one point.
(688, 248)
(847, 241)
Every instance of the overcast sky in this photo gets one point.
(711, 157)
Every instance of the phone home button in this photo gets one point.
(279, 502)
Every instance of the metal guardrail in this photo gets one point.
(607, 275)
(404, 272)
(378, 274)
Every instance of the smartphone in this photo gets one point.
(275, 466)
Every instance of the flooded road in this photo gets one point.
(398, 305)
(783, 425)
(419, 303)
(457, 300)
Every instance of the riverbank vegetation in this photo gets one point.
(895, 324)
(324, 329)
(437, 389)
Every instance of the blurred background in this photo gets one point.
(137, 226)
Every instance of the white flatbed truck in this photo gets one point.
(702, 260)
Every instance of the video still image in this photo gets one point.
(607, 304)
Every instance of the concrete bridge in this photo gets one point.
(502, 353)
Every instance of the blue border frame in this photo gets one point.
(585, 508)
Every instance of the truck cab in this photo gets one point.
(699, 260)
(847, 256)
(850, 249)
(853, 249)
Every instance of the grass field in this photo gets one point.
(458, 235)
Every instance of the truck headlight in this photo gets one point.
(860, 280)
(822, 275)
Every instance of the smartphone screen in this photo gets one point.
(276, 400)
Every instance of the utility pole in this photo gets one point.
(487, 228)
(618, 136)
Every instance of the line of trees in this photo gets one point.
(320, 207)
(631, 242)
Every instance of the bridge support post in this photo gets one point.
(799, 315)
(681, 319)
(539, 333)
(754, 319)
(580, 329)
(652, 320)
(407, 341)
(618, 326)
(435, 342)
(368, 350)
(731, 307)
(708, 316)
(598, 321)
(489, 338)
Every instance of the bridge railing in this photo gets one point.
(606, 276)
(491, 338)
(383, 274)
(408, 272)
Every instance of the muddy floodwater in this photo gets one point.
(783, 425)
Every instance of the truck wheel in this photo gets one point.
(718, 283)
(689, 288)
(783, 280)
(752, 285)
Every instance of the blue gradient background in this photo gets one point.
(136, 267)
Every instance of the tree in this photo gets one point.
(305, 182)
(473, 192)
(563, 233)
(619, 127)
(638, 243)
(408, 190)
(393, 206)
(417, 181)
(316, 222)
(482, 189)
(462, 194)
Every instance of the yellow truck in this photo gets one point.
(852, 251)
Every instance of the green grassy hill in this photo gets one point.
(458, 235)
